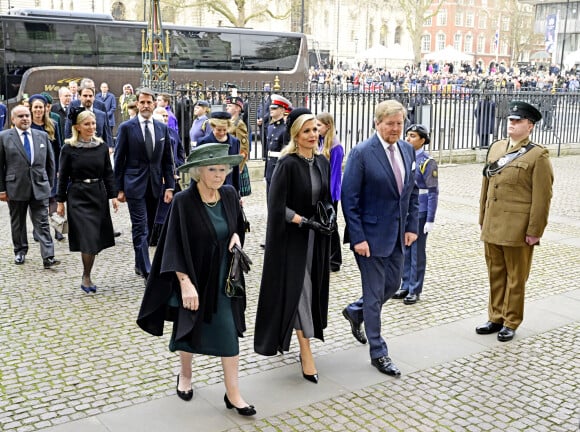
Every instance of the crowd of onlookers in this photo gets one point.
(435, 77)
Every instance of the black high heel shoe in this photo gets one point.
(245, 411)
(311, 378)
(183, 395)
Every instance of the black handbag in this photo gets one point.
(235, 281)
(326, 215)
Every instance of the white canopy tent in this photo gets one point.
(448, 54)
(394, 56)
(572, 59)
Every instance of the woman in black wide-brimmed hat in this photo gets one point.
(187, 280)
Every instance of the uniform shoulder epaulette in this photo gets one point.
(423, 165)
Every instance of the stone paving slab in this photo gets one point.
(472, 370)
(67, 355)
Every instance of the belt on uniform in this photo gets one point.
(274, 154)
(423, 191)
(86, 180)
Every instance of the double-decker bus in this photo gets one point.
(43, 50)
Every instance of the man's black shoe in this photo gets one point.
(506, 334)
(400, 294)
(385, 365)
(411, 299)
(488, 328)
(19, 258)
(50, 262)
(355, 328)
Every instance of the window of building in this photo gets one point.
(168, 14)
(482, 22)
(468, 44)
(484, 3)
(428, 22)
(440, 41)
(505, 24)
(426, 43)
(384, 34)
(469, 19)
(457, 41)
(504, 48)
(118, 11)
(442, 17)
(459, 19)
(481, 44)
(398, 33)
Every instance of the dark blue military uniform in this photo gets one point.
(426, 178)
(276, 141)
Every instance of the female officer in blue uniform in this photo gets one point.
(426, 178)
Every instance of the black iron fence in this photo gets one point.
(459, 118)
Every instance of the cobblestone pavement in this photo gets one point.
(66, 355)
(517, 387)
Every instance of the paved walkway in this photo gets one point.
(76, 362)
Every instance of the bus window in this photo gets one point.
(205, 50)
(266, 52)
(50, 44)
(119, 46)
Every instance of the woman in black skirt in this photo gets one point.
(86, 183)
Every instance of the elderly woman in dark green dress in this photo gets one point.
(187, 280)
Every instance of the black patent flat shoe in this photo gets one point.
(245, 411)
(183, 395)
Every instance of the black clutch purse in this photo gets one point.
(235, 281)
(326, 215)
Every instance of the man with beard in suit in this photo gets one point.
(143, 163)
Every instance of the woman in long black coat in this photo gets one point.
(86, 184)
(187, 280)
(295, 279)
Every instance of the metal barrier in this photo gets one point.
(459, 118)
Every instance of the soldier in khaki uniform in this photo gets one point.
(514, 205)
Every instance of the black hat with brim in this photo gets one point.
(523, 110)
(210, 154)
(420, 130)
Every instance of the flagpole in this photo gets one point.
(497, 39)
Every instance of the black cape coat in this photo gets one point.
(188, 244)
(285, 256)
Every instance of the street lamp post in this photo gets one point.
(302, 17)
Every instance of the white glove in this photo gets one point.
(428, 227)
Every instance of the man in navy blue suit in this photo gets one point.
(109, 101)
(380, 206)
(143, 163)
(87, 99)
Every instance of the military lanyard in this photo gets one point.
(494, 168)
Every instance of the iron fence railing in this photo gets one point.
(459, 118)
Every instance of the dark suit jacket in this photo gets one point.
(133, 169)
(110, 103)
(18, 178)
(61, 111)
(373, 208)
(103, 129)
